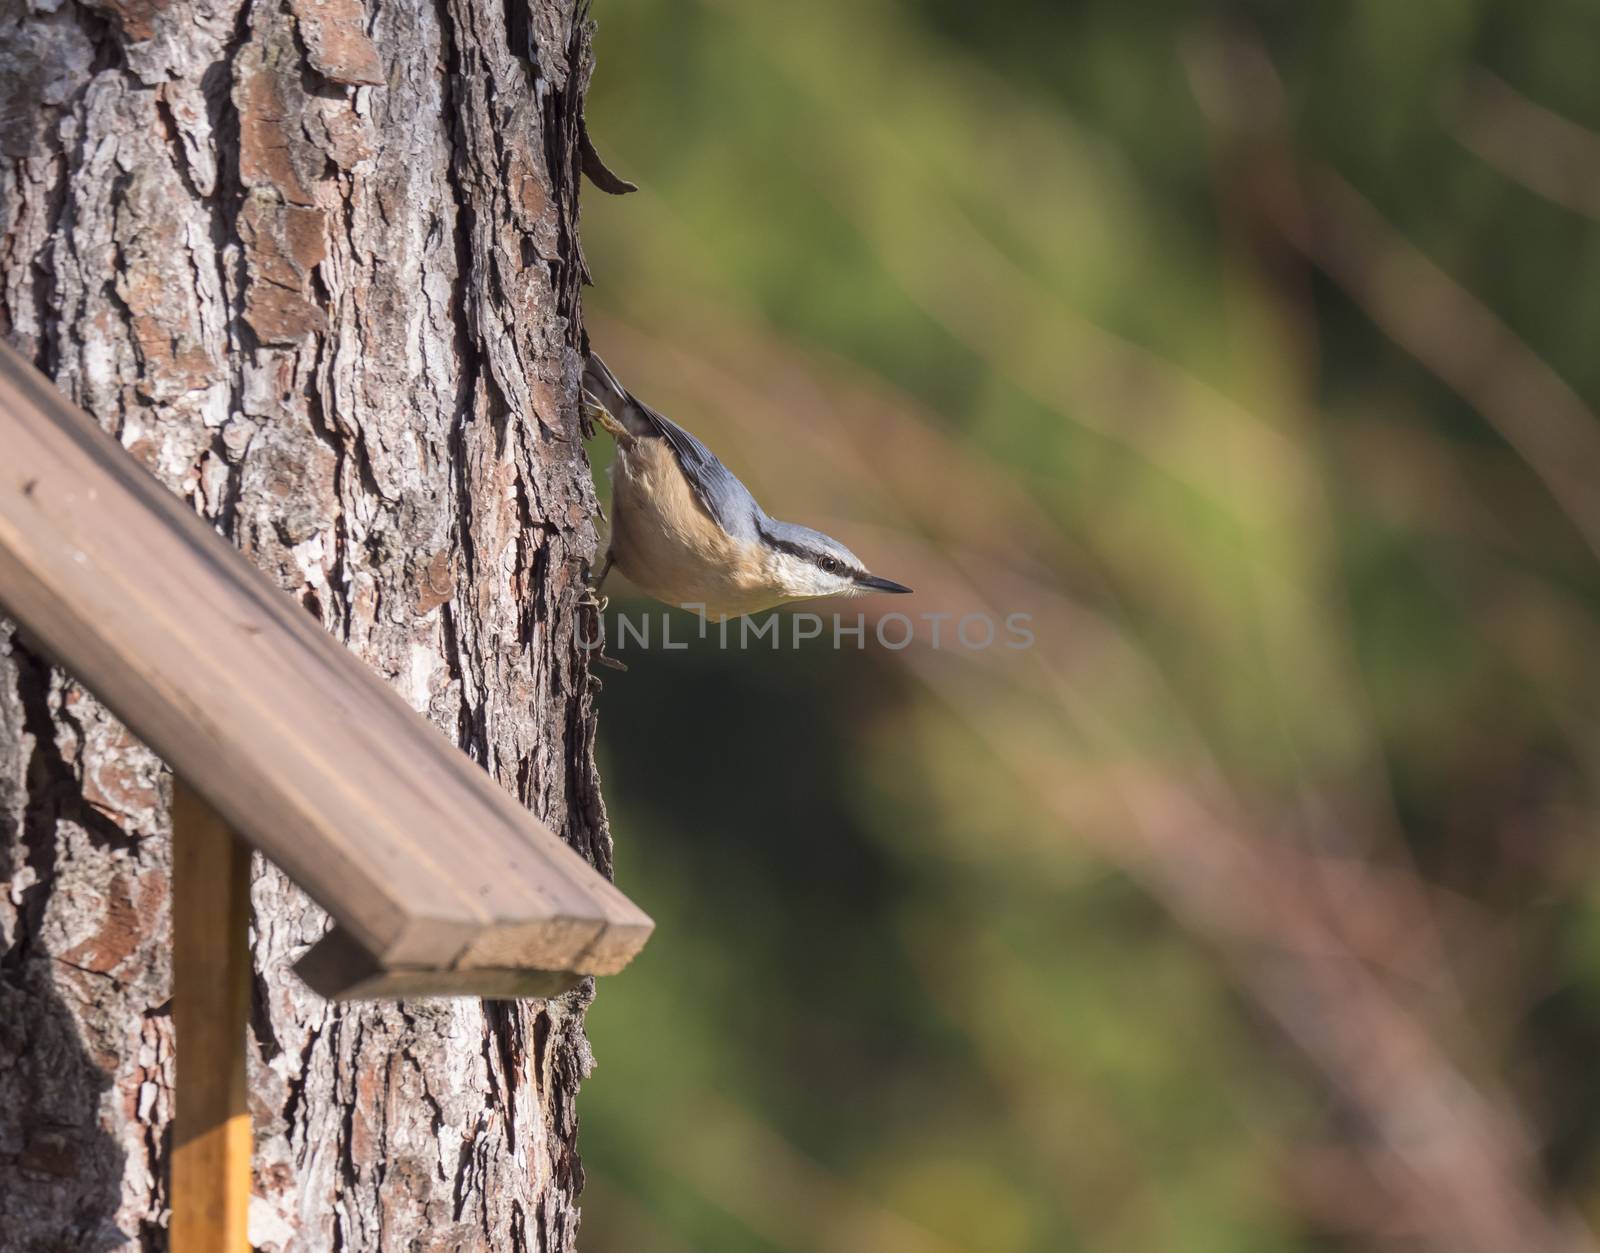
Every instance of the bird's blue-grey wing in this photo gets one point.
(727, 500)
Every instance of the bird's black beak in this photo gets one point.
(872, 583)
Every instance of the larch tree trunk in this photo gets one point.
(316, 266)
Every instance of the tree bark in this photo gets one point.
(318, 268)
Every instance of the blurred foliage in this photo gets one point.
(1250, 348)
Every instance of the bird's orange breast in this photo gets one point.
(664, 541)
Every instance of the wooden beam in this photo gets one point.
(417, 853)
(339, 968)
(210, 1011)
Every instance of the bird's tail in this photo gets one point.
(604, 390)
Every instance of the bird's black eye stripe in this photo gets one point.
(822, 561)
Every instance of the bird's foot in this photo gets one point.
(592, 637)
(599, 413)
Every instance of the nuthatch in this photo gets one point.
(686, 531)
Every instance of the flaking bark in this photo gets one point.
(317, 266)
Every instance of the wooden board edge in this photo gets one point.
(338, 968)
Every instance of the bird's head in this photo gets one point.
(802, 564)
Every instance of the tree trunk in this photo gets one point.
(317, 267)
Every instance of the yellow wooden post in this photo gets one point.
(210, 1010)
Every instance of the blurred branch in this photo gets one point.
(1457, 337)
(1526, 142)
(1445, 327)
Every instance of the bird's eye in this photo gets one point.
(830, 565)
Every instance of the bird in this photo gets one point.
(685, 530)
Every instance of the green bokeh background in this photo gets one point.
(1251, 349)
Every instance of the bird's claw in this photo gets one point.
(599, 413)
(594, 642)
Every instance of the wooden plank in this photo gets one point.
(413, 849)
(210, 1010)
(340, 968)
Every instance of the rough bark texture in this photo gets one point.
(316, 265)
